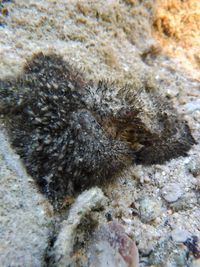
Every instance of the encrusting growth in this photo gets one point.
(70, 132)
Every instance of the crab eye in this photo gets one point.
(125, 113)
(128, 113)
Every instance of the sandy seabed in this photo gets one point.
(129, 42)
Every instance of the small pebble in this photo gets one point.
(196, 263)
(149, 209)
(112, 247)
(192, 106)
(180, 235)
(172, 192)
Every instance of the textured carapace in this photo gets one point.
(69, 132)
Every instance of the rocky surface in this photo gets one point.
(109, 40)
(25, 215)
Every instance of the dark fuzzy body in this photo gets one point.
(69, 132)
